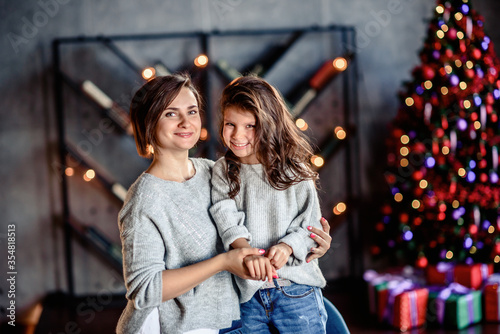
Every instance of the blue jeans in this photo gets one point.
(289, 309)
(234, 329)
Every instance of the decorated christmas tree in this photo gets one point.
(443, 149)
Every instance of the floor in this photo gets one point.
(62, 314)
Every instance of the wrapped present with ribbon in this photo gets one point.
(440, 274)
(472, 276)
(405, 306)
(491, 293)
(377, 284)
(455, 306)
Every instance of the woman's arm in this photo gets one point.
(179, 281)
(148, 281)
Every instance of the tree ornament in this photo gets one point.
(428, 72)
(476, 53)
(452, 33)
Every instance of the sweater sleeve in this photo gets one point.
(229, 220)
(143, 261)
(298, 236)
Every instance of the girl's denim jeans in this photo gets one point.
(285, 309)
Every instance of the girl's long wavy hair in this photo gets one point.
(279, 145)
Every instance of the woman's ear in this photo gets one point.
(150, 149)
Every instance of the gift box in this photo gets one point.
(403, 304)
(440, 274)
(397, 300)
(472, 276)
(455, 306)
(491, 293)
(409, 309)
(377, 284)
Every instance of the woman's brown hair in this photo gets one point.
(279, 145)
(148, 104)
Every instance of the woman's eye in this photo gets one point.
(193, 112)
(229, 124)
(170, 114)
(250, 126)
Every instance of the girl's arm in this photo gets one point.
(230, 224)
(280, 253)
(298, 236)
(229, 220)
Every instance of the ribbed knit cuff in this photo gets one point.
(301, 243)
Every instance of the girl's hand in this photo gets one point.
(322, 238)
(259, 267)
(279, 254)
(235, 261)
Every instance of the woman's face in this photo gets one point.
(179, 125)
(239, 134)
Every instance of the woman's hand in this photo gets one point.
(322, 238)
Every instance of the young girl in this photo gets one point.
(177, 279)
(264, 195)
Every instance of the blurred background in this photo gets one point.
(69, 69)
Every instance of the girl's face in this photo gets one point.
(239, 134)
(179, 126)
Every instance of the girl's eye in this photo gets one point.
(193, 112)
(229, 124)
(170, 114)
(251, 126)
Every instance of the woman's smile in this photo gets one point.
(184, 134)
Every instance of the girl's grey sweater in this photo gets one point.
(167, 225)
(266, 216)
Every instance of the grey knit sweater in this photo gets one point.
(266, 216)
(167, 225)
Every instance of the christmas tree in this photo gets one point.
(443, 149)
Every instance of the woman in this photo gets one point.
(174, 266)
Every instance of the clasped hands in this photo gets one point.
(259, 264)
(266, 265)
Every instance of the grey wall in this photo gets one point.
(390, 33)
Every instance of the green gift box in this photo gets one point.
(455, 306)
